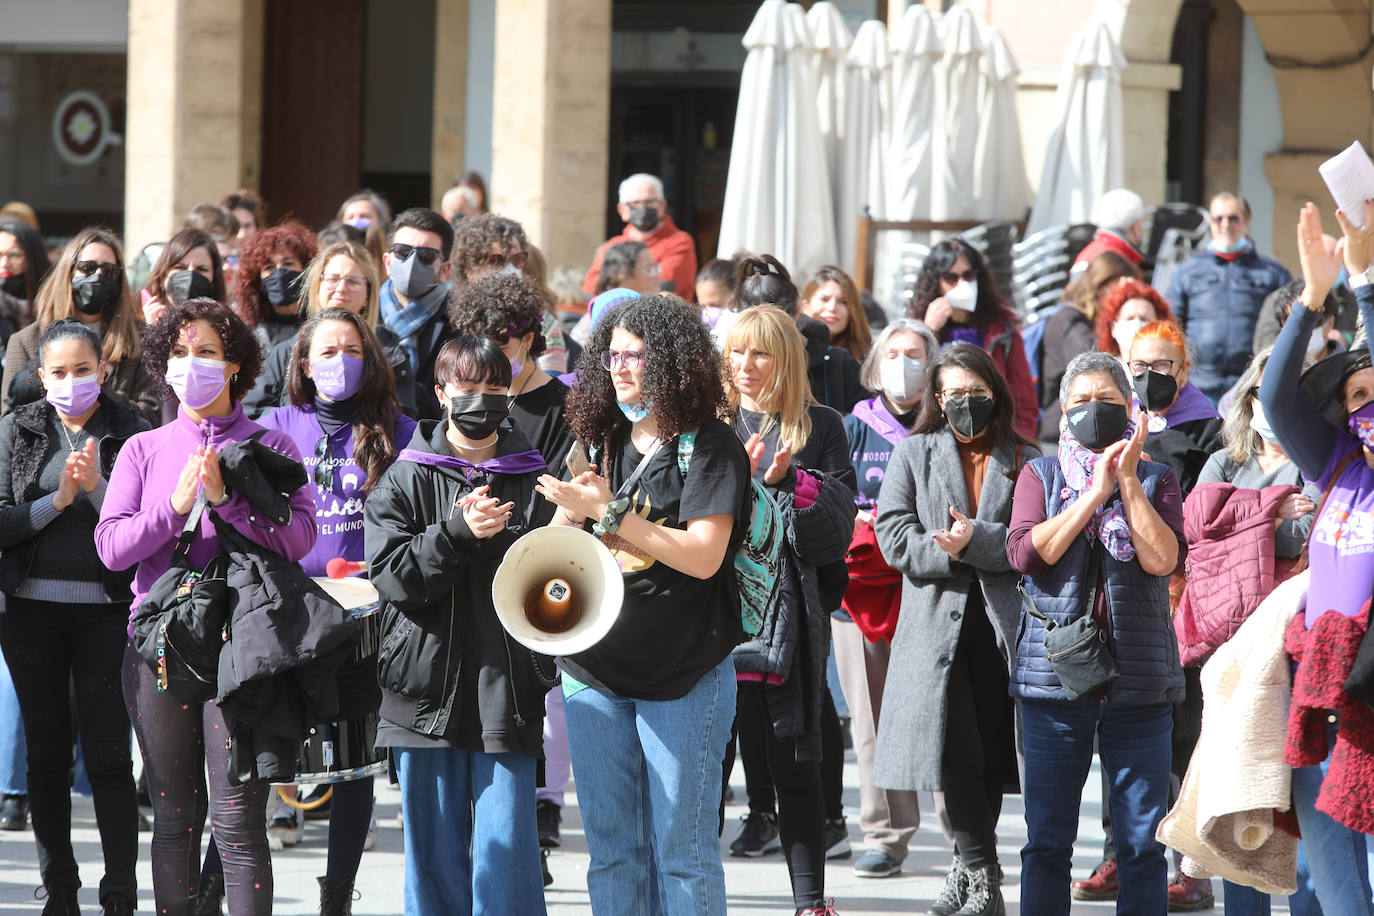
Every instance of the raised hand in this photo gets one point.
(1359, 243)
(1130, 456)
(211, 476)
(938, 313)
(485, 515)
(84, 467)
(782, 463)
(1319, 254)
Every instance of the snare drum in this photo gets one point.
(344, 750)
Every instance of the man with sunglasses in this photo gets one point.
(645, 213)
(1217, 295)
(414, 298)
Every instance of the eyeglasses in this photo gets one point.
(630, 359)
(497, 260)
(351, 282)
(86, 268)
(1165, 366)
(324, 467)
(978, 392)
(1221, 218)
(968, 276)
(427, 256)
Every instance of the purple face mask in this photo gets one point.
(1362, 425)
(337, 378)
(73, 396)
(195, 380)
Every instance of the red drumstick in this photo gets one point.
(339, 568)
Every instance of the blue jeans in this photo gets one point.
(1240, 900)
(1337, 855)
(1134, 746)
(648, 784)
(471, 841)
(14, 778)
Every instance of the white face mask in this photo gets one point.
(901, 378)
(1316, 344)
(964, 296)
(1260, 423)
(509, 269)
(1124, 332)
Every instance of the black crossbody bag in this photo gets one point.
(1078, 650)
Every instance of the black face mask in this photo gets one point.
(13, 285)
(645, 219)
(1097, 424)
(968, 416)
(477, 415)
(189, 284)
(93, 293)
(1155, 389)
(282, 286)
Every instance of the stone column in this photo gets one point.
(192, 134)
(450, 95)
(549, 131)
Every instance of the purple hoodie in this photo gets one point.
(138, 524)
(339, 510)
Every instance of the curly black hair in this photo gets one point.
(682, 371)
(240, 346)
(474, 237)
(499, 306)
(990, 307)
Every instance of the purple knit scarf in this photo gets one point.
(1108, 523)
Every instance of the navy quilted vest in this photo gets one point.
(1142, 633)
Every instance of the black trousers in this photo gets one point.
(758, 781)
(978, 737)
(49, 647)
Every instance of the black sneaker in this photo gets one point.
(117, 905)
(14, 812)
(837, 840)
(548, 815)
(758, 836)
(954, 893)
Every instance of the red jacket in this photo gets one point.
(672, 248)
(1107, 240)
(1231, 564)
(1009, 353)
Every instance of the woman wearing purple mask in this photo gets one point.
(347, 423)
(64, 619)
(204, 354)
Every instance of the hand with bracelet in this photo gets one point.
(587, 495)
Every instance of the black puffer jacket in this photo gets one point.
(795, 640)
(832, 372)
(446, 666)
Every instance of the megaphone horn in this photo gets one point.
(558, 590)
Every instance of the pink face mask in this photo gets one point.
(197, 381)
(73, 396)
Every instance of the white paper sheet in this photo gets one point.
(1349, 176)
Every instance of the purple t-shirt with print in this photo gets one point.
(1341, 551)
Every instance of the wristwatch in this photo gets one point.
(610, 520)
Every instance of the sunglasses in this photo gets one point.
(630, 359)
(495, 261)
(86, 268)
(1222, 218)
(968, 276)
(427, 256)
(324, 467)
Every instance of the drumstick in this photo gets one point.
(339, 568)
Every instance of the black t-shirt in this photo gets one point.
(673, 628)
(539, 415)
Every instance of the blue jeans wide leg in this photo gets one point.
(1058, 738)
(1337, 855)
(470, 838)
(1134, 745)
(648, 784)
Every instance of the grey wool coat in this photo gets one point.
(924, 478)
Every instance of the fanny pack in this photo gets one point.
(1078, 650)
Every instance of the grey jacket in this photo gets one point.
(923, 480)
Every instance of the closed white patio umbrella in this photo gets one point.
(777, 192)
(830, 38)
(863, 159)
(958, 80)
(915, 47)
(1083, 158)
(1000, 188)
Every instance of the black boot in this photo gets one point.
(61, 900)
(209, 899)
(954, 893)
(984, 892)
(336, 899)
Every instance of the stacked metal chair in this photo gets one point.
(1173, 233)
(1040, 266)
(995, 240)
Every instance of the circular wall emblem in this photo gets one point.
(81, 127)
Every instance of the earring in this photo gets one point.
(234, 378)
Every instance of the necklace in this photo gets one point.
(71, 443)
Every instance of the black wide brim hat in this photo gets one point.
(1323, 386)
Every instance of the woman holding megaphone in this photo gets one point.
(649, 707)
(462, 704)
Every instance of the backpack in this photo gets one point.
(1033, 338)
(758, 560)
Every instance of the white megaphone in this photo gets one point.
(558, 590)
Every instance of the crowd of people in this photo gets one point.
(1018, 555)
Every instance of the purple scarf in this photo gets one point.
(874, 412)
(1190, 405)
(517, 463)
(1108, 523)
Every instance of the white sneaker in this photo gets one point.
(285, 824)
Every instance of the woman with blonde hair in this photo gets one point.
(88, 284)
(798, 449)
(832, 297)
(343, 275)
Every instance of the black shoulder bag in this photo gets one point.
(1078, 650)
(179, 627)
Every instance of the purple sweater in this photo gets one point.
(339, 509)
(138, 524)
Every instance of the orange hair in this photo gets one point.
(1116, 300)
(1165, 330)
